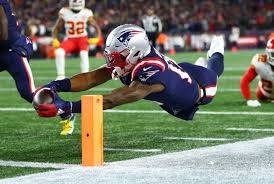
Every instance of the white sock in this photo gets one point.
(201, 61)
(60, 62)
(84, 63)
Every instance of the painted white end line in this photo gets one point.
(35, 164)
(63, 166)
(198, 138)
(252, 129)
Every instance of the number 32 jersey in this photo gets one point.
(75, 23)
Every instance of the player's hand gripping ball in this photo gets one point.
(42, 96)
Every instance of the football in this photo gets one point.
(42, 96)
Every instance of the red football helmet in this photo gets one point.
(270, 50)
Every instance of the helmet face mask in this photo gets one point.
(76, 5)
(125, 45)
(270, 51)
(115, 59)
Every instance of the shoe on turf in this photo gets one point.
(68, 125)
(217, 45)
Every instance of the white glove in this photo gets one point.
(253, 103)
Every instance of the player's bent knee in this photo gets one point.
(216, 63)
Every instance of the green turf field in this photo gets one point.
(27, 137)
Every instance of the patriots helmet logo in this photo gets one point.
(126, 36)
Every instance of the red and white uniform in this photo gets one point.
(259, 67)
(76, 29)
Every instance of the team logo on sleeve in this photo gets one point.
(146, 74)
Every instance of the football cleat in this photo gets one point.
(253, 103)
(217, 45)
(68, 125)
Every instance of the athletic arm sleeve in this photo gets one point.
(247, 78)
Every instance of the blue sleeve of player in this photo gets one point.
(23, 46)
(4, 2)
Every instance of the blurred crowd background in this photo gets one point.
(187, 24)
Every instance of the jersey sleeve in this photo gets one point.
(147, 71)
(247, 78)
(258, 58)
(3, 2)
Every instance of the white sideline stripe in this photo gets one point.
(35, 164)
(198, 138)
(235, 113)
(235, 68)
(134, 150)
(5, 109)
(252, 129)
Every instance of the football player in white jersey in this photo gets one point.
(75, 19)
(262, 65)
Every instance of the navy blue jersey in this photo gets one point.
(14, 53)
(13, 29)
(17, 42)
(181, 91)
(186, 85)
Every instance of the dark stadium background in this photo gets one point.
(188, 23)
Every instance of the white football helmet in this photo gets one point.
(125, 45)
(270, 50)
(76, 5)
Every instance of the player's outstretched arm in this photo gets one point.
(82, 81)
(92, 21)
(247, 78)
(59, 25)
(123, 95)
(85, 81)
(127, 94)
(3, 24)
